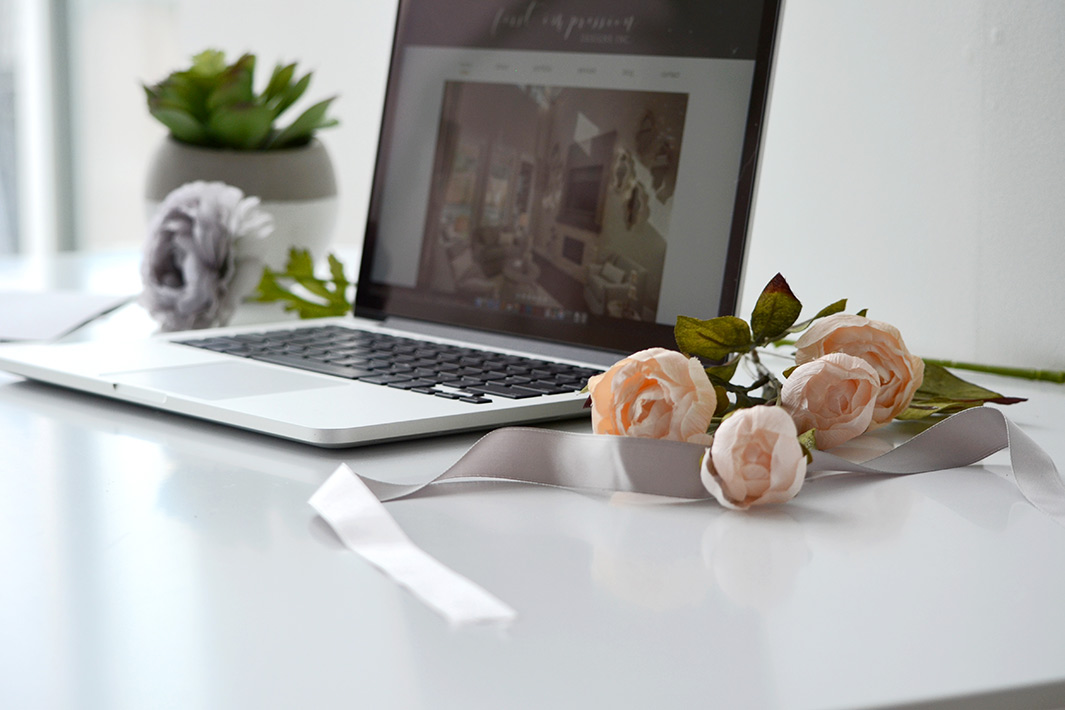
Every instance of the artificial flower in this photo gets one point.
(654, 394)
(755, 459)
(880, 345)
(197, 262)
(835, 395)
(852, 374)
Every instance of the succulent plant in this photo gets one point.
(214, 104)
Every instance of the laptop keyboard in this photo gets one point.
(441, 370)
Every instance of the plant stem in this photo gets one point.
(770, 384)
(1057, 376)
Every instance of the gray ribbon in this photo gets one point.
(961, 440)
(568, 460)
(670, 468)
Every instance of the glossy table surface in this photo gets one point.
(152, 561)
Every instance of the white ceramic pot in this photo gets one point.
(295, 185)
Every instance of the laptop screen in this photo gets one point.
(573, 170)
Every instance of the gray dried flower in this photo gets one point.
(197, 262)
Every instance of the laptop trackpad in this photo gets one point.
(223, 380)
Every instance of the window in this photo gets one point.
(8, 166)
(75, 135)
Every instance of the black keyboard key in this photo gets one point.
(323, 368)
(408, 384)
(504, 391)
(377, 378)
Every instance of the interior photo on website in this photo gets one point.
(552, 201)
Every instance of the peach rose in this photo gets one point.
(880, 345)
(755, 459)
(654, 394)
(835, 395)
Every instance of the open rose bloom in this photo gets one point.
(834, 395)
(196, 264)
(755, 459)
(654, 394)
(878, 344)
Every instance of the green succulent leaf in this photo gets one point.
(777, 310)
(208, 63)
(293, 285)
(242, 126)
(182, 92)
(291, 94)
(280, 79)
(300, 131)
(234, 86)
(714, 339)
(220, 98)
(183, 126)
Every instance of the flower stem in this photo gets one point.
(769, 383)
(1057, 376)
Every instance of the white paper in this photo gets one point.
(46, 315)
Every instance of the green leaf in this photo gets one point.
(942, 392)
(280, 80)
(184, 91)
(776, 310)
(808, 442)
(941, 383)
(331, 293)
(723, 372)
(234, 86)
(301, 130)
(242, 126)
(181, 125)
(291, 94)
(300, 264)
(722, 400)
(829, 310)
(864, 313)
(208, 63)
(713, 339)
(919, 409)
(336, 269)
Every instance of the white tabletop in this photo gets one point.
(152, 561)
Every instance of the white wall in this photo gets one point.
(915, 163)
(346, 42)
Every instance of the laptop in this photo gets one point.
(556, 181)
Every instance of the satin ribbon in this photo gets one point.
(352, 505)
